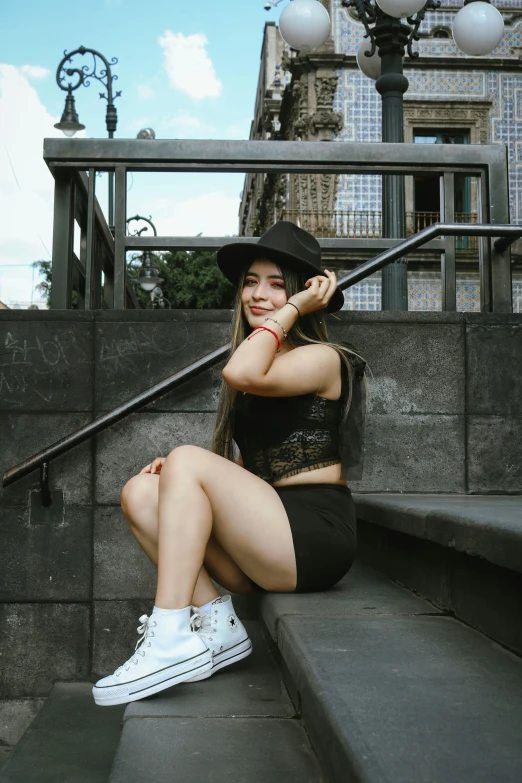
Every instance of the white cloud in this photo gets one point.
(187, 127)
(35, 71)
(141, 122)
(188, 65)
(239, 130)
(27, 188)
(26, 184)
(211, 214)
(145, 92)
(183, 121)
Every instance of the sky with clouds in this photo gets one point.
(187, 69)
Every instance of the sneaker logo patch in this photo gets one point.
(232, 622)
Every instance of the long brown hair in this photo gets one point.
(309, 328)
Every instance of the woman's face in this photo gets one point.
(263, 292)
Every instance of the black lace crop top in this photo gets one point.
(283, 436)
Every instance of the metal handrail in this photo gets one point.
(505, 235)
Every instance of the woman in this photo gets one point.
(279, 519)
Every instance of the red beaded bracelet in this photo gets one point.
(266, 329)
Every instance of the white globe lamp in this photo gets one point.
(304, 25)
(478, 28)
(370, 66)
(398, 8)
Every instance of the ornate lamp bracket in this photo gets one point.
(369, 13)
(141, 230)
(416, 21)
(86, 72)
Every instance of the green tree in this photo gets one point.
(44, 268)
(191, 280)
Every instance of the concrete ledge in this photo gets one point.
(71, 740)
(362, 592)
(393, 691)
(485, 526)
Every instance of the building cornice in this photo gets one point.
(331, 60)
(453, 63)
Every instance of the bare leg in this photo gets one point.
(201, 492)
(184, 528)
(139, 501)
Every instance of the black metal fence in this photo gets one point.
(70, 159)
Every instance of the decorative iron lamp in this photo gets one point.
(70, 122)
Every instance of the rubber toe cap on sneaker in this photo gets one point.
(107, 682)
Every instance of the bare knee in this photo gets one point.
(139, 491)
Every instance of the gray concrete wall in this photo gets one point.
(444, 415)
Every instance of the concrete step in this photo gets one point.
(392, 690)
(238, 725)
(71, 740)
(462, 552)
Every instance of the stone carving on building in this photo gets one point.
(307, 114)
(295, 103)
(325, 90)
(270, 204)
(473, 116)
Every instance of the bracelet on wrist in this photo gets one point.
(293, 305)
(266, 329)
(281, 325)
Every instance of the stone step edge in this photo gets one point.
(499, 542)
(37, 730)
(341, 759)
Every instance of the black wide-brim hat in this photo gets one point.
(285, 244)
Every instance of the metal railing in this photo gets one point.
(76, 208)
(367, 224)
(69, 159)
(416, 221)
(503, 237)
(487, 164)
(357, 223)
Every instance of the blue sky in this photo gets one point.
(188, 69)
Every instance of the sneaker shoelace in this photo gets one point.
(145, 629)
(203, 625)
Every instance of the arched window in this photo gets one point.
(441, 32)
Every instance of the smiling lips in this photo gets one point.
(261, 309)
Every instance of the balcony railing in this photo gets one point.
(367, 224)
(416, 221)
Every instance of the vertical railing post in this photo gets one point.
(448, 265)
(91, 280)
(108, 292)
(120, 272)
(501, 276)
(484, 249)
(63, 240)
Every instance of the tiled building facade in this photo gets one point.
(496, 88)
(451, 98)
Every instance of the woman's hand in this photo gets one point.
(320, 290)
(155, 466)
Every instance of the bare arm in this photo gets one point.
(307, 368)
(254, 358)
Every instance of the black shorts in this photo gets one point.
(324, 529)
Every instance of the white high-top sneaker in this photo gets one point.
(168, 652)
(224, 633)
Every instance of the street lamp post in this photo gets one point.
(70, 122)
(148, 274)
(477, 29)
(391, 38)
